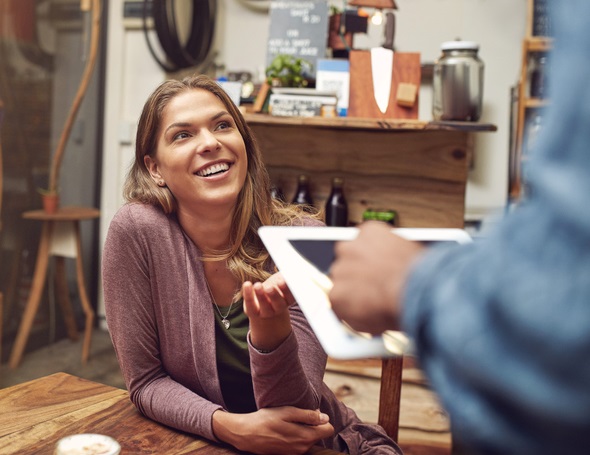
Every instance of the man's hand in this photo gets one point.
(369, 276)
(282, 430)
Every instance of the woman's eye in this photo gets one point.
(181, 135)
(223, 125)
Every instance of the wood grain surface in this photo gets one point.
(420, 173)
(36, 414)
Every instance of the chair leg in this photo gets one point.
(390, 395)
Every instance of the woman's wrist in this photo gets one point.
(267, 334)
(223, 423)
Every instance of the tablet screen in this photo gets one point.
(319, 252)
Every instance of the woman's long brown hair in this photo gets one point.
(246, 256)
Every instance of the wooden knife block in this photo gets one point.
(361, 103)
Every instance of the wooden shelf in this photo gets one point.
(535, 103)
(531, 44)
(538, 43)
(352, 123)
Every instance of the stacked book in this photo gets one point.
(302, 102)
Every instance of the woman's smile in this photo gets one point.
(213, 170)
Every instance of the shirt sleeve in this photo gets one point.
(132, 326)
(501, 326)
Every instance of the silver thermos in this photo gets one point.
(458, 82)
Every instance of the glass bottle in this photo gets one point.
(302, 194)
(336, 205)
(538, 82)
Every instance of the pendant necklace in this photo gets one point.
(224, 319)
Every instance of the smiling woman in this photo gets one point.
(208, 336)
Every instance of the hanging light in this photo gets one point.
(377, 16)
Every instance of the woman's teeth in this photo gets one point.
(220, 167)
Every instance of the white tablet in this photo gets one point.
(304, 255)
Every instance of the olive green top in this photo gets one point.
(233, 360)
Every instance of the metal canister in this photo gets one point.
(458, 82)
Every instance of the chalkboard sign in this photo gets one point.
(298, 28)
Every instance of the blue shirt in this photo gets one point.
(502, 326)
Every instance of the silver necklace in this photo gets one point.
(226, 323)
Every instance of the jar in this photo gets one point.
(458, 82)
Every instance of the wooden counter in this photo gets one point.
(415, 167)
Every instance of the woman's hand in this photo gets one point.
(269, 299)
(267, 306)
(283, 430)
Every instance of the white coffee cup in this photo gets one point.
(87, 444)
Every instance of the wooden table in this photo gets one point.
(36, 414)
(60, 237)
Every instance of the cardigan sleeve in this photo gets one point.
(130, 314)
(293, 373)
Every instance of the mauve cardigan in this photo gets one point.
(161, 321)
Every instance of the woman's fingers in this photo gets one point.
(267, 299)
(251, 307)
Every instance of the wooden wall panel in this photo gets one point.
(436, 204)
(438, 155)
(421, 174)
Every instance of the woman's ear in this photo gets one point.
(152, 168)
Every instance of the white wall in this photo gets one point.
(421, 26)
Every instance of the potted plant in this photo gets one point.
(288, 71)
(50, 199)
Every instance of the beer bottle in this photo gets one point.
(302, 194)
(336, 205)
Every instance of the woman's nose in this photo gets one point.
(207, 142)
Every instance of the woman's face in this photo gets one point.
(201, 155)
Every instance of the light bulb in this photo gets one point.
(377, 18)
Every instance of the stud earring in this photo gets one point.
(161, 183)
